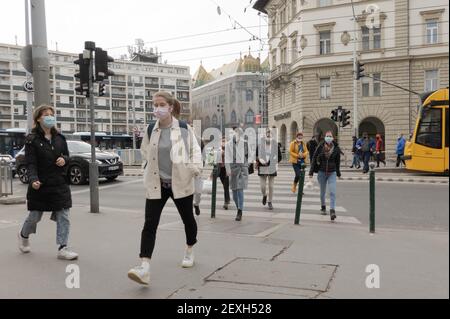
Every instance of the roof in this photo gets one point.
(260, 5)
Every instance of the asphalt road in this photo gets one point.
(398, 205)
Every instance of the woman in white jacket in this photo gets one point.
(173, 160)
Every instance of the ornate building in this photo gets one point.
(237, 88)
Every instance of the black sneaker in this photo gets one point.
(332, 214)
(239, 215)
(270, 206)
(197, 210)
(324, 210)
(264, 201)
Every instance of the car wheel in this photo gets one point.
(23, 176)
(77, 176)
(112, 178)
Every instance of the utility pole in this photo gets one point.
(40, 53)
(355, 70)
(29, 76)
(93, 167)
(134, 114)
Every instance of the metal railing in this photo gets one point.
(130, 157)
(6, 179)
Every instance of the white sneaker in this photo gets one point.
(24, 244)
(140, 275)
(66, 254)
(188, 260)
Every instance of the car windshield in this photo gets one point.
(79, 147)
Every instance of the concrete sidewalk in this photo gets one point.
(258, 258)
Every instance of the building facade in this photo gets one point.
(128, 97)
(404, 42)
(238, 88)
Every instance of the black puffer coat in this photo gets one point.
(41, 156)
(328, 165)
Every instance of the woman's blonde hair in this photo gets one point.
(37, 113)
(171, 100)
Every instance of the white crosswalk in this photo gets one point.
(284, 201)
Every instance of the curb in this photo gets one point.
(379, 179)
(15, 200)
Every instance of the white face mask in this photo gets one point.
(162, 112)
(329, 139)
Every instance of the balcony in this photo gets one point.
(280, 75)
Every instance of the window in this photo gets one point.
(324, 3)
(58, 99)
(249, 95)
(293, 8)
(376, 84)
(274, 60)
(325, 88)
(431, 80)
(274, 26)
(432, 31)
(215, 120)
(70, 99)
(365, 82)
(294, 92)
(249, 117)
(325, 42)
(294, 50)
(233, 118)
(365, 38)
(429, 132)
(371, 86)
(376, 38)
(283, 55)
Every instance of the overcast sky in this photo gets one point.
(116, 23)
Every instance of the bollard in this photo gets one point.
(372, 198)
(300, 195)
(214, 191)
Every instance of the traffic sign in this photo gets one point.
(28, 86)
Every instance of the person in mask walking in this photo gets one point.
(400, 150)
(312, 145)
(366, 146)
(236, 164)
(173, 160)
(326, 163)
(356, 154)
(47, 157)
(298, 153)
(268, 157)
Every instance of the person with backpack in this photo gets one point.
(366, 146)
(173, 159)
(327, 164)
(47, 158)
(400, 150)
(268, 157)
(298, 152)
(356, 163)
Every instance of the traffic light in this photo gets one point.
(334, 115)
(82, 75)
(101, 65)
(345, 118)
(359, 70)
(101, 89)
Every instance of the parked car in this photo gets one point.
(109, 165)
(11, 161)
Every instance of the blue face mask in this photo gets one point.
(329, 139)
(49, 121)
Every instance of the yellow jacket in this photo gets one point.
(294, 152)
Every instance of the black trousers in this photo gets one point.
(153, 210)
(225, 180)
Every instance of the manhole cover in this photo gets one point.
(276, 274)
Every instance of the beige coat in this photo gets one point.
(184, 168)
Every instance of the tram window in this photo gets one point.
(446, 127)
(429, 132)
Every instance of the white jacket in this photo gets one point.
(185, 165)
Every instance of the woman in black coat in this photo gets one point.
(47, 156)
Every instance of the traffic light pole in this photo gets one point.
(29, 76)
(93, 167)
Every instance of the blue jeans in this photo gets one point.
(297, 169)
(356, 160)
(323, 180)
(366, 159)
(62, 225)
(238, 197)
